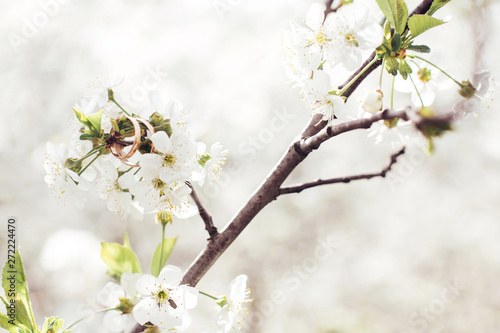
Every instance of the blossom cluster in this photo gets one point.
(164, 302)
(141, 162)
(321, 49)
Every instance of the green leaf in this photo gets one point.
(23, 315)
(14, 278)
(5, 323)
(158, 263)
(95, 120)
(436, 4)
(119, 259)
(419, 24)
(404, 68)
(82, 118)
(392, 65)
(396, 12)
(86, 136)
(387, 29)
(396, 42)
(92, 122)
(15, 285)
(419, 48)
(53, 325)
(126, 241)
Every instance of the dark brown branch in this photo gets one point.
(382, 173)
(370, 69)
(209, 223)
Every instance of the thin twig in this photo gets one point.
(209, 223)
(329, 8)
(299, 188)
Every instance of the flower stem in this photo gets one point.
(91, 152)
(114, 101)
(442, 71)
(392, 92)
(339, 93)
(205, 294)
(418, 93)
(79, 320)
(95, 158)
(162, 242)
(381, 74)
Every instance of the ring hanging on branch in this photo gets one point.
(116, 142)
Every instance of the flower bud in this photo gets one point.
(163, 217)
(467, 90)
(372, 102)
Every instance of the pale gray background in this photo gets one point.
(398, 245)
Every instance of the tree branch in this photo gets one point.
(269, 189)
(299, 188)
(315, 133)
(209, 224)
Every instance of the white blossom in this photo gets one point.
(172, 109)
(163, 301)
(428, 81)
(482, 82)
(112, 188)
(351, 34)
(213, 162)
(175, 157)
(232, 311)
(64, 183)
(122, 297)
(316, 93)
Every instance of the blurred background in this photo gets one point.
(418, 251)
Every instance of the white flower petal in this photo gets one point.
(144, 284)
(170, 276)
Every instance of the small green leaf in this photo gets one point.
(392, 65)
(419, 24)
(86, 136)
(53, 325)
(82, 118)
(119, 259)
(15, 285)
(156, 263)
(404, 68)
(126, 241)
(396, 42)
(436, 4)
(23, 315)
(13, 277)
(419, 48)
(387, 29)
(396, 12)
(95, 120)
(5, 323)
